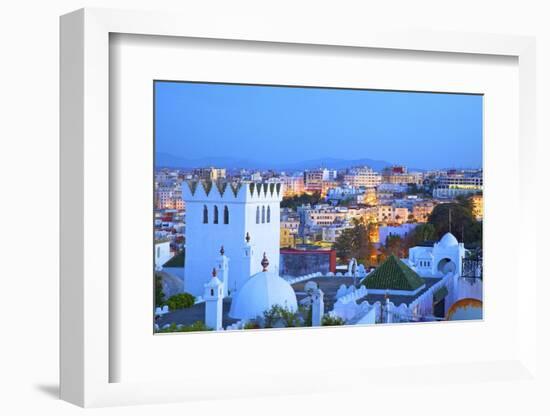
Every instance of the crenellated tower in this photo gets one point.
(222, 214)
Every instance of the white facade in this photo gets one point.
(223, 271)
(162, 253)
(332, 232)
(213, 299)
(260, 292)
(221, 215)
(444, 257)
(453, 185)
(363, 177)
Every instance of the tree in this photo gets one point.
(332, 321)
(420, 234)
(353, 242)
(462, 225)
(194, 327)
(464, 201)
(302, 199)
(394, 245)
(278, 315)
(180, 301)
(159, 294)
(346, 244)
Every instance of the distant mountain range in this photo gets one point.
(171, 161)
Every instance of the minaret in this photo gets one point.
(223, 272)
(213, 299)
(248, 268)
(221, 213)
(247, 246)
(317, 307)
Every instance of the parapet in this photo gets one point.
(245, 191)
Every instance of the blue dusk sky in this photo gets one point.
(283, 125)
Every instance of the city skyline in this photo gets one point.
(274, 207)
(200, 124)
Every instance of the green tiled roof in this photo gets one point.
(393, 274)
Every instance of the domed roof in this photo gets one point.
(448, 240)
(262, 291)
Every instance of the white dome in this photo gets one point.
(448, 240)
(262, 291)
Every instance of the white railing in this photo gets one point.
(292, 280)
(423, 305)
(161, 311)
(347, 294)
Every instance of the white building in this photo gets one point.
(456, 184)
(213, 298)
(362, 177)
(340, 193)
(162, 252)
(329, 174)
(216, 215)
(262, 291)
(444, 257)
(331, 232)
(323, 215)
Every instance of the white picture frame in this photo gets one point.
(86, 166)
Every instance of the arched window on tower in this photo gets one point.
(263, 214)
(205, 215)
(268, 214)
(257, 215)
(215, 214)
(225, 215)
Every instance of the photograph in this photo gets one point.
(282, 206)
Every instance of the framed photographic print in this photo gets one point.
(265, 211)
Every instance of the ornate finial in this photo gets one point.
(214, 272)
(265, 263)
(247, 238)
(222, 251)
